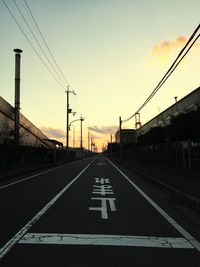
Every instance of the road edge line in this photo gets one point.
(38, 174)
(176, 225)
(6, 248)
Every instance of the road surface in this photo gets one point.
(91, 213)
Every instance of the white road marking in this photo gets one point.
(102, 190)
(106, 240)
(4, 250)
(38, 174)
(30, 177)
(103, 208)
(102, 180)
(101, 164)
(177, 226)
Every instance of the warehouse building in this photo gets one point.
(128, 136)
(190, 102)
(29, 134)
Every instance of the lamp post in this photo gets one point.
(68, 112)
(73, 136)
(81, 120)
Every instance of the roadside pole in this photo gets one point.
(120, 137)
(17, 95)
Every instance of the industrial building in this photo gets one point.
(128, 136)
(190, 102)
(29, 134)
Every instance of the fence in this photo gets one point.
(13, 155)
(183, 155)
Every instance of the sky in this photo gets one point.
(112, 54)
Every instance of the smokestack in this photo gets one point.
(17, 94)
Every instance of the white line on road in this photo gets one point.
(4, 250)
(30, 177)
(105, 240)
(177, 226)
(35, 175)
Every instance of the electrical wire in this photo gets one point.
(30, 43)
(167, 76)
(35, 38)
(42, 37)
(170, 71)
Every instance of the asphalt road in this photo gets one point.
(91, 213)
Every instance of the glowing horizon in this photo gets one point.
(113, 54)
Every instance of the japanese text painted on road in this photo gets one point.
(106, 198)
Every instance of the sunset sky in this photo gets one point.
(112, 53)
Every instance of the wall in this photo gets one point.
(30, 135)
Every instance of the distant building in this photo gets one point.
(128, 136)
(30, 135)
(190, 102)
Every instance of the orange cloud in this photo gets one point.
(168, 46)
(53, 133)
(162, 52)
(103, 129)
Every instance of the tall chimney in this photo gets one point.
(17, 95)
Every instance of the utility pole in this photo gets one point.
(67, 129)
(138, 123)
(88, 140)
(92, 144)
(111, 144)
(17, 95)
(176, 106)
(68, 112)
(120, 137)
(81, 144)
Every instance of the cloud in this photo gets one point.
(162, 51)
(103, 129)
(168, 46)
(95, 137)
(53, 133)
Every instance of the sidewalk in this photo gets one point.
(184, 187)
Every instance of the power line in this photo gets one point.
(173, 66)
(35, 38)
(42, 37)
(43, 62)
(169, 71)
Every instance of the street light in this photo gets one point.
(81, 120)
(73, 130)
(69, 110)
